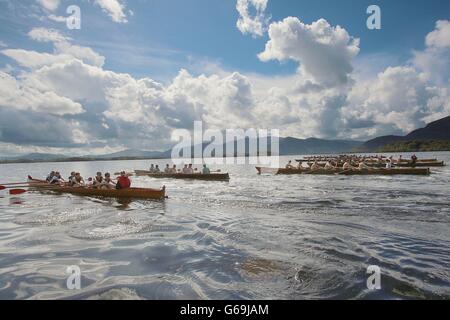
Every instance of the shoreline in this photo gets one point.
(76, 159)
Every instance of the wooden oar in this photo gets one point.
(12, 183)
(344, 172)
(31, 185)
(17, 191)
(21, 191)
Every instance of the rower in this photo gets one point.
(206, 170)
(107, 182)
(152, 168)
(347, 166)
(123, 182)
(56, 178)
(289, 165)
(78, 180)
(90, 183)
(190, 170)
(315, 166)
(167, 169)
(388, 164)
(71, 178)
(328, 166)
(157, 170)
(173, 170)
(185, 169)
(98, 181)
(413, 160)
(363, 166)
(50, 176)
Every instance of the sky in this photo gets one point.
(137, 70)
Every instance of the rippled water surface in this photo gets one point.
(255, 237)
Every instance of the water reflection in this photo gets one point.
(255, 237)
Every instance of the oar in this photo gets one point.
(13, 187)
(17, 191)
(12, 183)
(21, 191)
(344, 172)
(40, 186)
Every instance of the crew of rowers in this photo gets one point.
(379, 159)
(187, 169)
(98, 182)
(333, 165)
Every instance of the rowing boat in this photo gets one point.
(374, 159)
(402, 164)
(421, 164)
(131, 193)
(193, 176)
(380, 171)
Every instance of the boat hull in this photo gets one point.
(194, 176)
(421, 164)
(393, 171)
(374, 164)
(130, 193)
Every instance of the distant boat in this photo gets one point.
(193, 176)
(340, 171)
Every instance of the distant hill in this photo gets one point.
(417, 145)
(288, 146)
(133, 153)
(436, 132)
(294, 146)
(35, 157)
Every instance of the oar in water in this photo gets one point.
(17, 191)
(20, 191)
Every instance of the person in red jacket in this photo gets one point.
(123, 182)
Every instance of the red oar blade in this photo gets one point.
(2, 187)
(17, 191)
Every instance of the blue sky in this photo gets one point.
(161, 35)
(159, 38)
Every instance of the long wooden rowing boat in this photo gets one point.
(380, 171)
(131, 193)
(334, 158)
(194, 176)
(421, 164)
(403, 164)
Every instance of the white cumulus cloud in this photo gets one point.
(256, 23)
(50, 5)
(323, 51)
(46, 35)
(114, 8)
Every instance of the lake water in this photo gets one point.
(255, 237)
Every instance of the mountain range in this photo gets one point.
(438, 130)
(435, 131)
